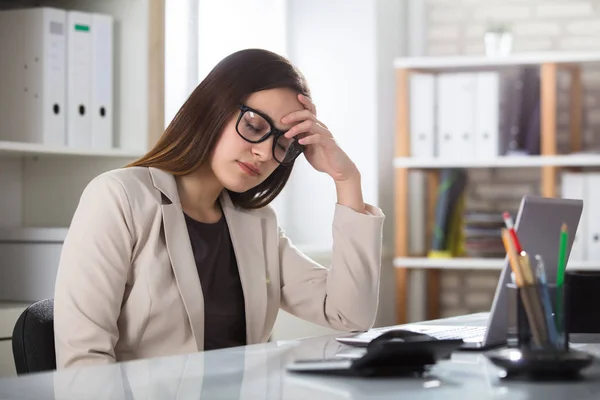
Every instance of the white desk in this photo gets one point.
(258, 372)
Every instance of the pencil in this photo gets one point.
(512, 257)
(511, 229)
(528, 276)
(534, 297)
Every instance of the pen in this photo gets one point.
(511, 229)
(546, 302)
(562, 255)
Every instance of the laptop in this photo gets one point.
(538, 224)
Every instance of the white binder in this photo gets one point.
(102, 81)
(79, 71)
(32, 75)
(573, 186)
(487, 109)
(592, 216)
(422, 115)
(455, 111)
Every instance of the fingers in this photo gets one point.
(297, 116)
(302, 127)
(306, 102)
(312, 139)
(307, 126)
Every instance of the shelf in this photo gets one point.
(572, 160)
(516, 59)
(476, 263)
(23, 149)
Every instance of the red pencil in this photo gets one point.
(510, 226)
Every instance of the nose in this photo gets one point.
(264, 150)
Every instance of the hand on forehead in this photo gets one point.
(276, 104)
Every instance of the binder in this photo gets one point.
(449, 199)
(573, 186)
(33, 73)
(102, 81)
(422, 115)
(592, 217)
(79, 71)
(456, 123)
(487, 115)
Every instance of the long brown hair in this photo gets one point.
(191, 136)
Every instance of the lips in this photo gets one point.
(249, 168)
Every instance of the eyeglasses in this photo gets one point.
(256, 127)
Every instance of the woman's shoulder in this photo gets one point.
(131, 181)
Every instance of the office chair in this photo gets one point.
(33, 338)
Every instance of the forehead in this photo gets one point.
(276, 103)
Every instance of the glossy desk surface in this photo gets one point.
(258, 372)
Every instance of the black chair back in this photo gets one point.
(33, 339)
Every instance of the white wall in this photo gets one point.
(391, 35)
(181, 54)
(346, 48)
(200, 33)
(226, 26)
(333, 43)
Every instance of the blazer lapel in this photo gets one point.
(180, 253)
(247, 238)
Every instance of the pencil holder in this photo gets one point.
(537, 338)
(536, 318)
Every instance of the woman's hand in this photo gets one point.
(324, 154)
(321, 151)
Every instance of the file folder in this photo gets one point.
(455, 111)
(422, 115)
(573, 186)
(592, 217)
(487, 115)
(102, 81)
(79, 79)
(32, 75)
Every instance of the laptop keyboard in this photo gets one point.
(459, 332)
(437, 331)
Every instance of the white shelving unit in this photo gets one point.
(568, 160)
(551, 64)
(463, 263)
(482, 62)
(17, 149)
(41, 184)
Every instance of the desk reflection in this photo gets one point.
(258, 372)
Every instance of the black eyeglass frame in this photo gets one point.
(276, 133)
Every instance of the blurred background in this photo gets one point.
(452, 110)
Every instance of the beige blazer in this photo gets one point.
(127, 285)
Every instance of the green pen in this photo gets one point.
(560, 277)
(562, 256)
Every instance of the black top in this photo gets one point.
(224, 310)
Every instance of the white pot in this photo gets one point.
(498, 44)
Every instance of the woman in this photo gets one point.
(180, 251)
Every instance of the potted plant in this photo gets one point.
(498, 39)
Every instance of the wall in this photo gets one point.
(333, 44)
(456, 27)
(346, 49)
